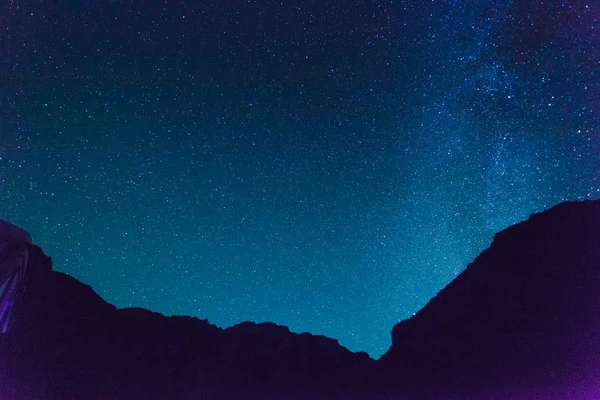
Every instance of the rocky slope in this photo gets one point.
(68, 343)
(522, 319)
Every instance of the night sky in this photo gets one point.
(325, 165)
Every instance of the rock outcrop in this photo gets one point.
(522, 319)
(68, 343)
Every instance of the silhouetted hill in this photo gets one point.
(522, 321)
(68, 343)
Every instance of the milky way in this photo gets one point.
(329, 167)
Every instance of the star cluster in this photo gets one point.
(328, 166)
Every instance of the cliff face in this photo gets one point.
(523, 318)
(522, 321)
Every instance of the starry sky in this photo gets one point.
(325, 165)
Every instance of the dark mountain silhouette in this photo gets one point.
(68, 343)
(522, 321)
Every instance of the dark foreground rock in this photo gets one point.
(522, 321)
(68, 343)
